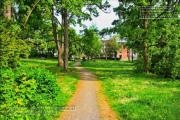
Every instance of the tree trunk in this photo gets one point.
(144, 48)
(105, 54)
(62, 32)
(145, 57)
(128, 54)
(66, 40)
(60, 60)
(56, 39)
(132, 57)
(144, 44)
(94, 58)
(7, 11)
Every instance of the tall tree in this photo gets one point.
(69, 10)
(74, 43)
(91, 42)
(136, 15)
(56, 38)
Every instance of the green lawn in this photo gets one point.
(66, 81)
(137, 96)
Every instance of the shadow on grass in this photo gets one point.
(114, 69)
(137, 95)
(40, 62)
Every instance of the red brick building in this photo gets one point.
(121, 53)
(124, 52)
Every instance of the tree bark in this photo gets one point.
(62, 33)
(144, 45)
(60, 60)
(7, 11)
(56, 40)
(145, 57)
(105, 54)
(132, 57)
(128, 54)
(66, 40)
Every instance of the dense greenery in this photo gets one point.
(36, 22)
(12, 47)
(32, 92)
(112, 46)
(136, 96)
(31, 28)
(150, 28)
(91, 44)
(26, 89)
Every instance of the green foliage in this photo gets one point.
(137, 96)
(91, 42)
(164, 53)
(112, 45)
(75, 9)
(42, 43)
(28, 93)
(138, 68)
(74, 43)
(29, 22)
(11, 45)
(34, 18)
(155, 40)
(66, 81)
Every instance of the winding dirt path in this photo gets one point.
(88, 100)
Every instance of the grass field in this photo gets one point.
(66, 80)
(135, 96)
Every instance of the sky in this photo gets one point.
(103, 20)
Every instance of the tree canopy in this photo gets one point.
(36, 24)
(149, 28)
(91, 44)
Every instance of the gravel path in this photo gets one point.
(85, 100)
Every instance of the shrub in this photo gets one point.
(166, 62)
(27, 93)
(138, 65)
